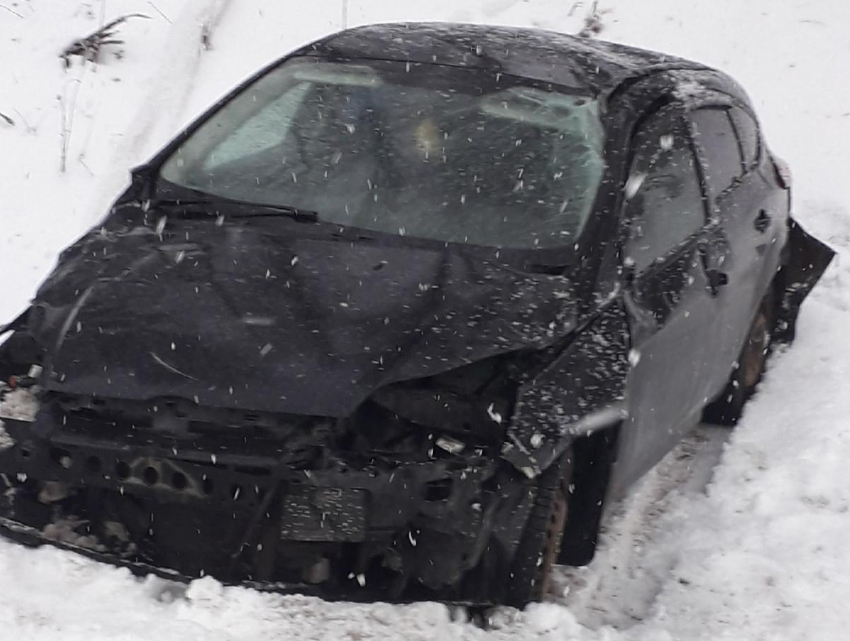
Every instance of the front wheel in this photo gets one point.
(531, 570)
(728, 407)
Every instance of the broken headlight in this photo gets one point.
(461, 410)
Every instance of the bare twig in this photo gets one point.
(82, 162)
(30, 128)
(215, 12)
(7, 119)
(63, 136)
(89, 130)
(157, 9)
(88, 48)
(592, 22)
(67, 124)
(12, 11)
(206, 36)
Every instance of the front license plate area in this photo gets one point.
(324, 514)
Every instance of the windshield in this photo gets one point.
(446, 153)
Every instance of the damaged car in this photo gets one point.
(398, 317)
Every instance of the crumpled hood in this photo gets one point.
(264, 318)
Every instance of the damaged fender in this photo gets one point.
(582, 391)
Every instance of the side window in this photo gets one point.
(664, 203)
(748, 135)
(716, 139)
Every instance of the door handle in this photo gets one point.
(713, 254)
(762, 221)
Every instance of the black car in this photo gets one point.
(397, 317)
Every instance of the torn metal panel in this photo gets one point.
(580, 392)
(807, 260)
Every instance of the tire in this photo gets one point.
(727, 408)
(531, 569)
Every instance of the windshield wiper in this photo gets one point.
(242, 207)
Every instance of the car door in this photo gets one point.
(669, 297)
(751, 214)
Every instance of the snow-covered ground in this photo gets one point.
(744, 538)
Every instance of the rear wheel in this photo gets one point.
(531, 570)
(728, 407)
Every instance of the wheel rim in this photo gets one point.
(755, 350)
(554, 532)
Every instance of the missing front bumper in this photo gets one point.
(368, 532)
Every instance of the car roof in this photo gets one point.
(594, 66)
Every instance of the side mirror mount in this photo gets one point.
(141, 184)
(627, 271)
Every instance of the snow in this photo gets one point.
(737, 539)
(20, 404)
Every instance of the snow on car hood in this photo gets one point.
(266, 317)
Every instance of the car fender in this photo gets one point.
(580, 392)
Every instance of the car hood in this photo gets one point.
(267, 318)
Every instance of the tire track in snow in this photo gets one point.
(637, 552)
